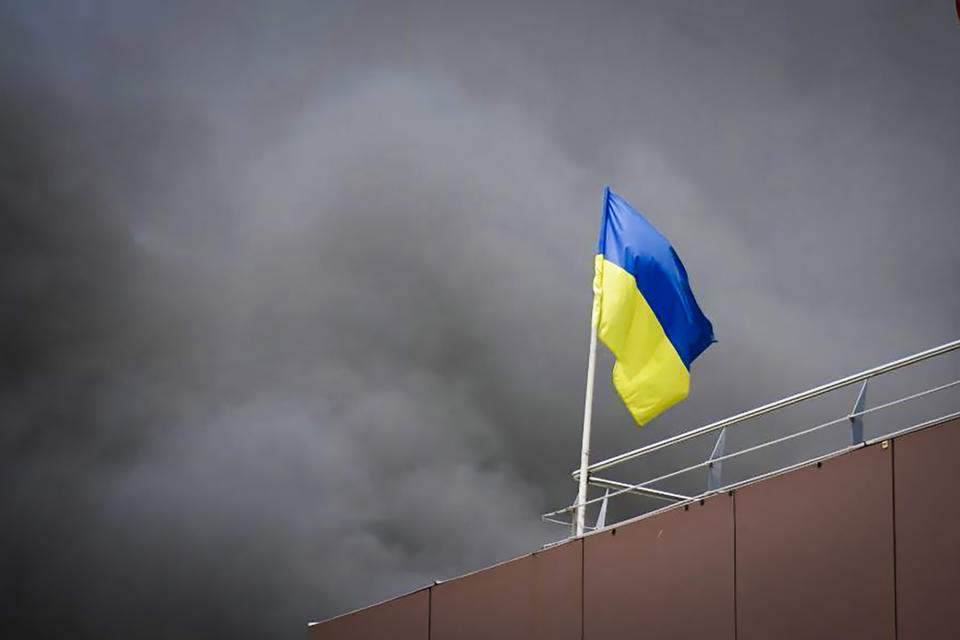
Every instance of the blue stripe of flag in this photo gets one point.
(629, 241)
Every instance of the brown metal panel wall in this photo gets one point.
(926, 482)
(558, 592)
(405, 618)
(815, 551)
(537, 596)
(668, 576)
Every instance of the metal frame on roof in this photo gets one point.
(855, 419)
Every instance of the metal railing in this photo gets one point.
(717, 457)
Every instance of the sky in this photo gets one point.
(294, 296)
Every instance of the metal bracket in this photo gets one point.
(856, 420)
(602, 516)
(715, 477)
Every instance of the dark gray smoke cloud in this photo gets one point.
(294, 295)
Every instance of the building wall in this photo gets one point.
(864, 545)
(405, 618)
(537, 596)
(814, 551)
(926, 481)
(649, 574)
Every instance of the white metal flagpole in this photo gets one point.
(587, 416)
(588, 399)
(578, 523)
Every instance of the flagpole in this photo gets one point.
(587, 417)
(597, 286)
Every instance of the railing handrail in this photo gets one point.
(770, 407)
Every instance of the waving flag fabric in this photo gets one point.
(645, 312)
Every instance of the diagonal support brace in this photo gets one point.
(856, 420)
(715, 478)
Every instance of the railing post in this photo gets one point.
(856, 420)
(715, 477)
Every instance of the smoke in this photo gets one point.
(293, 313)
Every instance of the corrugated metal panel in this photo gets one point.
(926, 482)
(537, 596)
(405, 618)
(669, 576)
(815, 551)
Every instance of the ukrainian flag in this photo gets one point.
(645, 312)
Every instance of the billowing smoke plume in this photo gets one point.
(294, 297)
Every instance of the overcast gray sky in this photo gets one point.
(294, 295)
